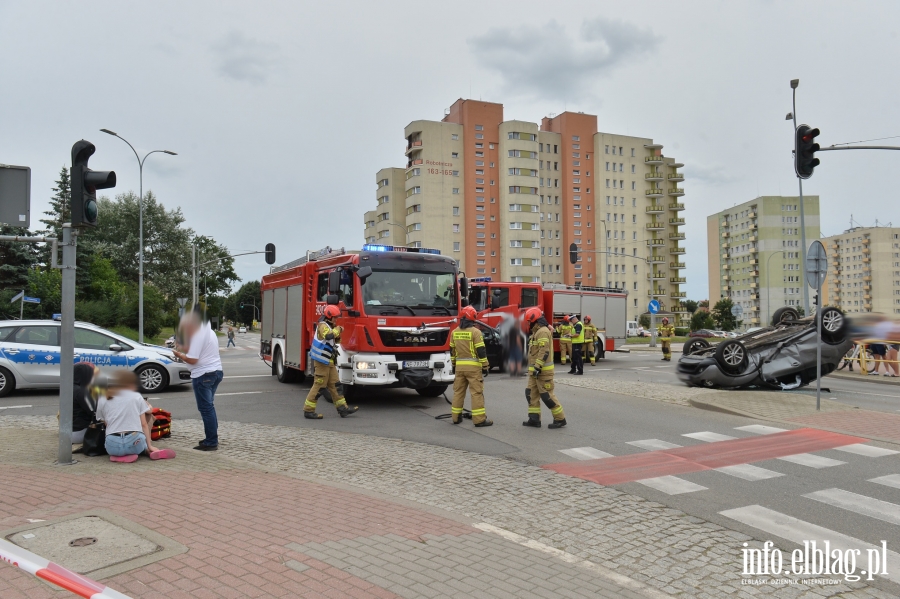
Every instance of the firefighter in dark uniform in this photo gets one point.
(540, 372)
(666, 332)
(324, 354)
(577, 335)
(470, 364)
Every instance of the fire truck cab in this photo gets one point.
(398, 306)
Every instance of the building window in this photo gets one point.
(454, 154)
(455, 211)
(455, 246)
(456, 190)
(479, 136)
(479, 127)
(454, 136)
(456, 228)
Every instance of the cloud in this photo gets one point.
(548, 62)
(709, 174)
(243, 59)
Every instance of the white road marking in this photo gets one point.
(653, 444)
(891, 480)
(748, 472)
(812, 461)
(585, 453)
(671, 485)
(709, 437)
(798, 531)
(239, 393)
(859, 504)
(760, 429)
(13, 407)
(870, 451)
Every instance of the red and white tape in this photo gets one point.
(55, 574)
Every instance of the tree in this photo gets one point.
(703, 304)
(723, 317)
(16, 259)
(690, 305)
(248, 295)
(644, 321)
(217, 273)
(701, 319)
(60, 205)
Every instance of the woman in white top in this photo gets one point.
(127, 418)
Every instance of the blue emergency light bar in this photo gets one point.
(481, 280)
(398, 248)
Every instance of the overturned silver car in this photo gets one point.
(781, 356)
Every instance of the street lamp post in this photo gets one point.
(141, 227)
(768, 285)
(405, 230)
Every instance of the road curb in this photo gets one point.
(704, 405)
(880, 380)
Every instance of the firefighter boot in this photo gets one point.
(533, 420)
(312, 415)
(534, 413)
(346, 410)
(485, 423)
(557, 423)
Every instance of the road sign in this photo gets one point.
(816, 264)
(15, 195)
(653, 307)
(181, 301)
(17, 297)
(31, 300)
(737, 311)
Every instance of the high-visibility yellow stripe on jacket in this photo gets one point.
(540, 350)
(467, 348)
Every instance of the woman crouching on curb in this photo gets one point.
(127, 416)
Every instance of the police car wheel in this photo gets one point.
(152, 378)
(7, 382)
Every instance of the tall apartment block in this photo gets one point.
(864, 270)
(754, 254)
(507, 198)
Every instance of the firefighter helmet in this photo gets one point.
(532, 315)
(665, 320)
(331, 312)
(469, 313)
(587, 318)
(566, 318)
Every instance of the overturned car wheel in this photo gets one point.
(694, 345)
(785, 314)
(732, 356)
(834, 326)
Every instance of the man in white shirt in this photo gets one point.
(202, 358)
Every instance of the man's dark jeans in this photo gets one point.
(205, 393)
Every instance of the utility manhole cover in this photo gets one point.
(98, 543)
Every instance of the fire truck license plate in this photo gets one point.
(416, 364)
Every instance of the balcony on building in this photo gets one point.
(866, 260)
(676, 191)
(753, 226)
(658, 159)
(656, 209)
(676, 265)
(676, 235)
(677, 280)
(753, 285)
(725, 256)
(754, 250)
(726, 235)
(656, 226)
(726, 288)
(656, 275)
(675, 177)
(753, 262)
(865, 250)
(656, 242)
(867, 306)
(726, 267)
(655, 193)
(867, 297)
(867, 279)
(833, 246)
(414, 162)
(676, 221)
(657, 293)
(726, 245)
(657, 260)
(866, 240)
(754, 320)
(676, 250)
(654, 176)
(751, 215)
(678, 294)
(676, 207)
(752, 238)
(413, 146)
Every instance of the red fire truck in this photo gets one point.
(607, 307)
(398, 306)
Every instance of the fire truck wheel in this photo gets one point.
(284, 374)
(432, 391)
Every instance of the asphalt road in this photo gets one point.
(598, 422)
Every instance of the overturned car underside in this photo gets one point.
(782, 356)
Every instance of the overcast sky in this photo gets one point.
(282, 112)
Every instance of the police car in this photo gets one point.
(30, 354)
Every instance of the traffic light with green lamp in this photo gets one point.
(805, 148)
(84, 185)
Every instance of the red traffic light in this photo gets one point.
(805, 149)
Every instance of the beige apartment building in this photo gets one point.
(507, 198)
(754, 254)
(864, 270)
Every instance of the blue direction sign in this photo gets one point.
(653, 306)
(31, 300)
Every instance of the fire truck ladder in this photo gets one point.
(311, 256)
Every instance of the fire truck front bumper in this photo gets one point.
(388, 370)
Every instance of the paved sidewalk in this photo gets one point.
(380, 518)
(790, 408)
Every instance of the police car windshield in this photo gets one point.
(423, 293)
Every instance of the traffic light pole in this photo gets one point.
(67, 346)
(802, 210)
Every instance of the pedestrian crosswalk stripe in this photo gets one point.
(653, 444)
(812, 461)
(709, 437)
(891, 480)
(748, 472)
(585, 453)
(798, 531)
(760, 429)
(870, 451)
(859, 504)
(671, 485)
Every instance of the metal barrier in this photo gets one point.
(54, 573)
(864, 361)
